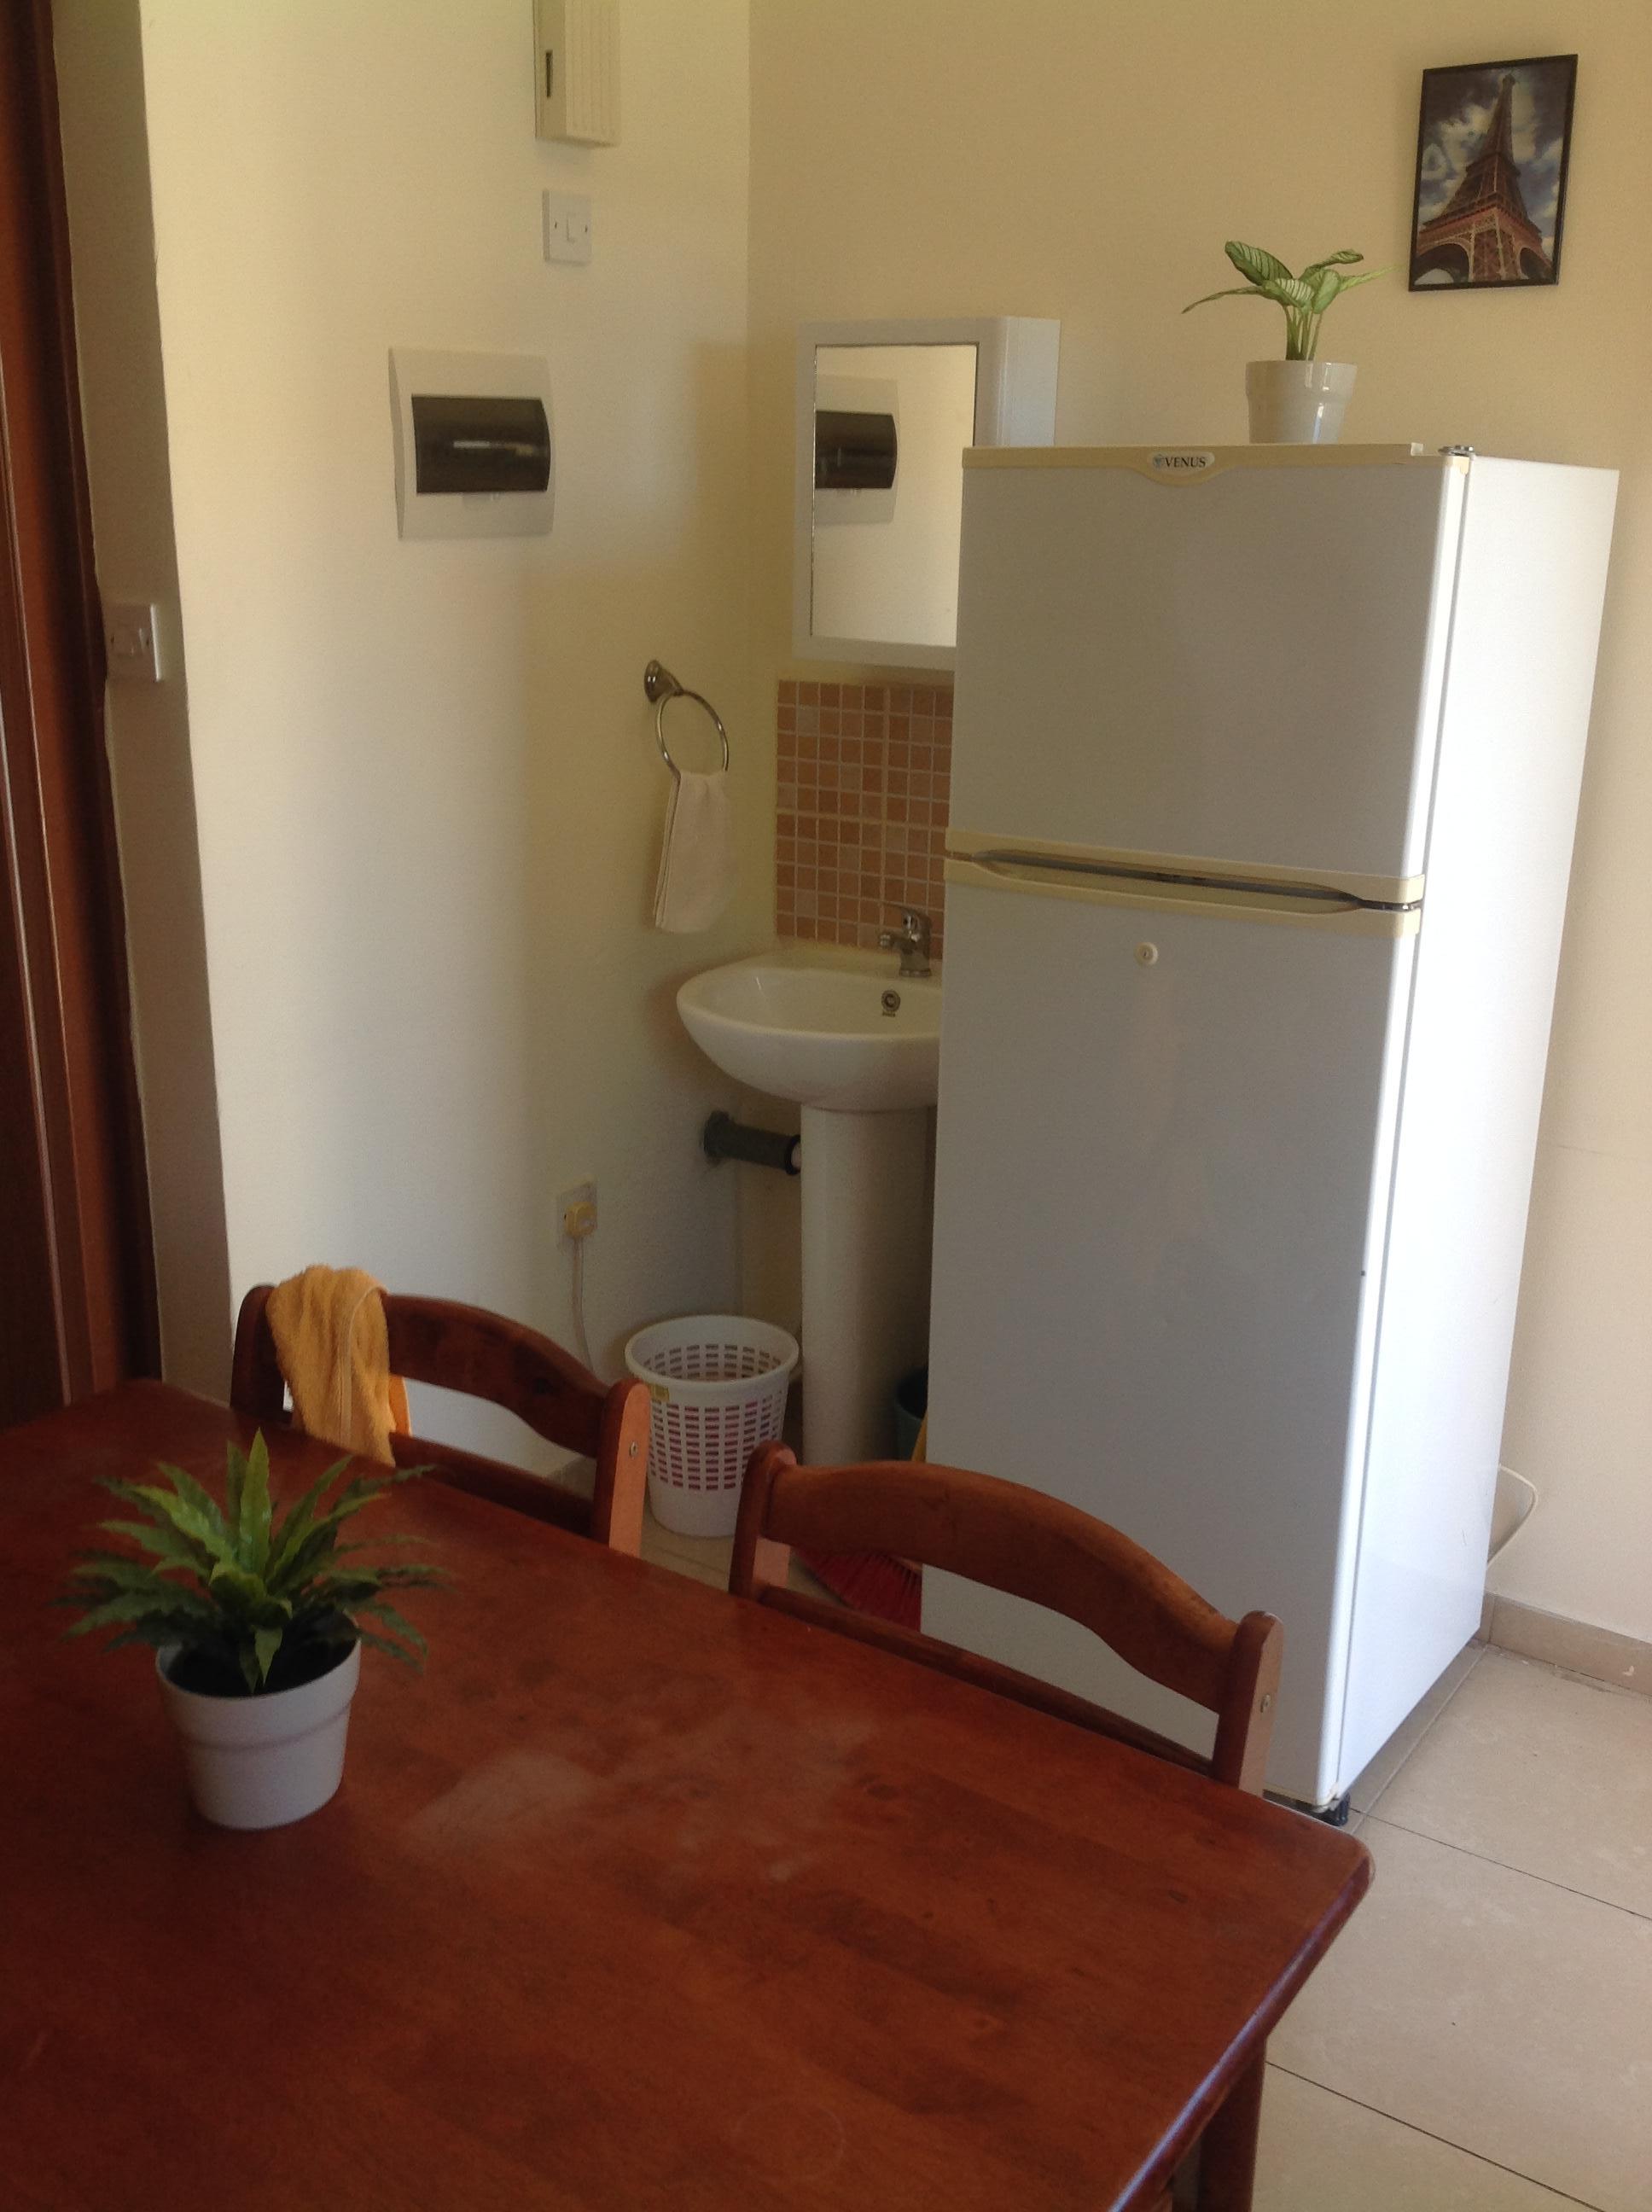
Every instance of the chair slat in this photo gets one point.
(1018, 1541)
(536, 1495)
(459, 1348)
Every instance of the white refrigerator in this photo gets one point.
(1265, 767)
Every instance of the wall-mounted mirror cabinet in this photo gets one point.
(884, 413)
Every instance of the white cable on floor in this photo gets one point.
(581, 1341)
(1526, 1483)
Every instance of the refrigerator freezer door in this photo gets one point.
(1243, 668)
(1164, 1150)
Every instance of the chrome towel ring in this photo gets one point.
(662, 686)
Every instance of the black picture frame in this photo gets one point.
(1480, 244)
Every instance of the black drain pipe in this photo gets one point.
(723, 1138)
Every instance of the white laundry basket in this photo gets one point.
(719, 1383)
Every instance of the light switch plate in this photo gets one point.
(131, 643)
(567, 226)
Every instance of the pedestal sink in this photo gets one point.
(858, 1048)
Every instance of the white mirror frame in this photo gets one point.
(1017, 362)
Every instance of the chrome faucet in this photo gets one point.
(911, 941)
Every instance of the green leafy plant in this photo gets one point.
(257, 1604)
(1304, 298)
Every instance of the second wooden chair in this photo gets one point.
(1016, 1540)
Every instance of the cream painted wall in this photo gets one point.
(1085, 158)
(99, 64)
(425, 779)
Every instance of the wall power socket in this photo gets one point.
(576, 1211)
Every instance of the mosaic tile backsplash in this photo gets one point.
(864, 779)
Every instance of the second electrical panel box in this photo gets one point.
(474, 454)
(576, 90)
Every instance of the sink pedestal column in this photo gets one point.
(865, 1276)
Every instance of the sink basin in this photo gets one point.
(862, 1070)
(820, 1035)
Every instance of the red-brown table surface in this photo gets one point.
(641, 1896)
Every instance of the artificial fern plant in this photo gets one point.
(254, 1603)
(1304, 298)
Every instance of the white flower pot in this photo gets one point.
(260, 1762)
(1297, 402)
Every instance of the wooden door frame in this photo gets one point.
(57, 843)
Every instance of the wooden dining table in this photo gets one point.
(639, 1896)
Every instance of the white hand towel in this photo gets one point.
(696, 860)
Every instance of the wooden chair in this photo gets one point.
(1018, 1541)
(465, 1348)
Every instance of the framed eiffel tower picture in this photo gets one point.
(1492, 144)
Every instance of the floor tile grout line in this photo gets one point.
(1467, 1672)
(1607, 1904)
(687, 1559)
(1574, 1675)
(681, 1563)
(1518, 2173)
(687, 1547)
(688, 1573)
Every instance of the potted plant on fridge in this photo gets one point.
(257, 1623)
(1300, 400)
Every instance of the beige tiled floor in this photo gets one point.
(1479, 2039)
(706, 1557)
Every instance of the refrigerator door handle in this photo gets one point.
(1009, 860)
(1396, 894)
(1215, 898)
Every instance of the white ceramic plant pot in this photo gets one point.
(1297, 402)
(261, 1762)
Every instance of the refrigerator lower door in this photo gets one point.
(1166, 1145)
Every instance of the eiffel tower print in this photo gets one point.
(1491, 188)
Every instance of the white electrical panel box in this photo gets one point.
(475, 456)
(576, 61)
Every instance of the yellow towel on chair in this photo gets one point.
(333, 1344)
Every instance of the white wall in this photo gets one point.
(99, 64)
(428, 795)
(1085, 158)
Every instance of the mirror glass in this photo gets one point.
(891, 425)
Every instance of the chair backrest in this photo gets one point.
(1018, 1541)
(465, 1348)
